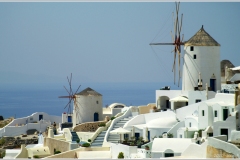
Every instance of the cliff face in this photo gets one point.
(225, 63)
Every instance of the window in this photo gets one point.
(202, 112)
(232, 109)
(97, 102)
(180, 136)
(191, 48)
(190, 125)
(198, 100)
(215, 113)
(194, 56)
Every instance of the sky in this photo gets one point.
(105, 42)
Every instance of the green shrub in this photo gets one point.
(89, 140)
(85, 145)
(170, 135)
(147, 147)
(2, 154)
(120, 155)
(112, 118)
(36, 156)
(57, 152)
(102, 125)
(77, 140)
(2, 141)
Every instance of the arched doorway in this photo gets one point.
(96, 117)
(164, 103)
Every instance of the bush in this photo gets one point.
(36, 156)
(89, 140)
(147, 147)
(2, 141)
(85, 145)
(102, 125)
(77, 140)
(170, 135)
(112, 118)
(57, 152)
(120, 155)
(2, 154)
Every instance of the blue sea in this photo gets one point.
(24, 99)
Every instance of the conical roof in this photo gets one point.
(89, 92)
(201, 38)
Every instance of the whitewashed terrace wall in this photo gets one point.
(235, 135)
(186, 111)
(227, 147)
(175, 128)
(195, 150)
(127, 150)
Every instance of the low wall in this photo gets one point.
(73, 153)
(88, 127)
(219, 149)
(56, 144)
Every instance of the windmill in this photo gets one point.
(177, 42)
(72, 98)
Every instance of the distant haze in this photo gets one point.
(104, 42)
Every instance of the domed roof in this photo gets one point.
(201, 38)
(162, 122)
(89, 92)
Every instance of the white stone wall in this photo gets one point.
(191, 122)
(229, 124)
(207, 63)
(127, 150)
(206, 119)
(21, 125)
(195, 150)
(88, 105)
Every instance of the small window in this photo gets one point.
(232, 109)
(194, 56)
(97, 102)
(202, 112)
(215, 113)
(190, 125)
(198, 100)
(191, 48)
(180, 136)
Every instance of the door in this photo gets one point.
(213, 84)
(225, 114)
(40, 117)
(167, 103)
(224, 131)
(137, 135)
(96, 116)
(69, 118)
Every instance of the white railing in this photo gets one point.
(99, 130)
(126, 114)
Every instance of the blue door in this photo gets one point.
(137, 135)
(69, 118)
(96, 116)
(40, 117)
(213, 84)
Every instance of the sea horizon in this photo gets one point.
(21, 100)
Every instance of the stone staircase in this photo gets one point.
(74, 136)
(99, 140)
(115, 138)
